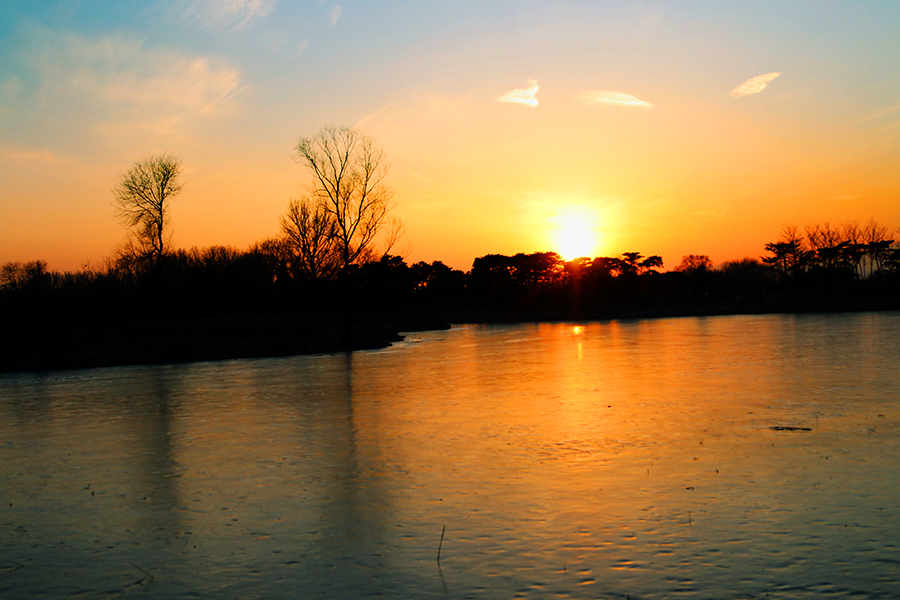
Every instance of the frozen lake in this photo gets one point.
(727, 457)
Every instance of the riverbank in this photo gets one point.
(108, 343)
(105, 343)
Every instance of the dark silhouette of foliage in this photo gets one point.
(826, 251)
(220, 302)
(694, 262)
(787, 257)
(31, 275)
(310, 237)
(632, 264)
(328, 282)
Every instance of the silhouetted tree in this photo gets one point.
(830, 246)
(788, 254)
(437, 283)
(491, 279)
(601, 268)
(694, 262)
(634, 263)
(348, 184)
(309, 231)
(538, 268)
(745, 280)
(892, 260)
(787, 257)
(849, 250)
(877, 245)
(746, 269)
(24, 276)
(142, 198)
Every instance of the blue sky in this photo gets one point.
(682, 165)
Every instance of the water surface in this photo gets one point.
(727, 457)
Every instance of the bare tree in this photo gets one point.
(142, 198)
(309, 230)
(348, 172)
(19, 276)
(829, 245)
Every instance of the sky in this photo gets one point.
(594, 128)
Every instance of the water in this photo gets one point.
(593, 460)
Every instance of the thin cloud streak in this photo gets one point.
(228, 14)
(526, 96)
(754, 85)
(122, 72)
(130, 86)
(336, 13)
(608, 98)
(301, 48)
(883, 113)
(17, 155)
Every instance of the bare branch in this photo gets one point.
(142, 202)
(348, 172)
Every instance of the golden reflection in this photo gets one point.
(654, 448)
(578, 331)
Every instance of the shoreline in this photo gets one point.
(90, 345)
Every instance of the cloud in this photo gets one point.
(336, 13)
(225, 14)
(526, 96)
(754, 85)
(883, 113)
(119, 79)
(301, 48)
(18, 155)
(606, 98)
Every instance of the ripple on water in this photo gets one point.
(640, 464)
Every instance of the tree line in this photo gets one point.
(265, 279)
(328, 279)
(859, 250)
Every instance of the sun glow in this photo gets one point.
(576, 236)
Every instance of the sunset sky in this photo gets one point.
(511, 126)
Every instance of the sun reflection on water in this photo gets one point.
(643, 449)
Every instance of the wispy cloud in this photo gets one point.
(336, 13)
(19, 155)
(607, 98)
(123, 81)
(886, 119)
(526, 96)
(228, 14)
(883, 113)
(754, 85)
(301, 48)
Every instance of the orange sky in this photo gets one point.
(508, 127)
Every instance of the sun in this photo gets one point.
(575, 236)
